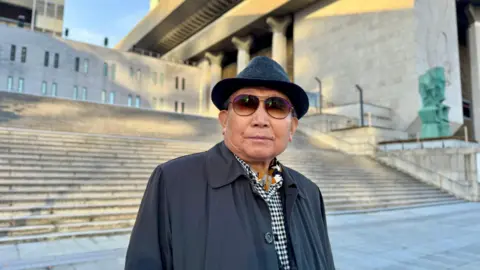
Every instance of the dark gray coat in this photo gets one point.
(199, 212)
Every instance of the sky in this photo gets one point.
(91, 21)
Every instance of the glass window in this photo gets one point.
(46, 58)
(161, 104)
(20, 85)
(56, 59)
(51, 10)
(183, 107)
(114, 67)
(154, 78)
(104, 96)
(54, 89)
(139, 74)
(85, 66)
(129, 102)
(13, 52)
(24, 54)
(60, 10)
(75, 92)
(41, 7)
(137, 101)
(154, 103)
(112, 98)
(176, 106)
(10, 83)
(77, 64)
(105, 69)
(161, 79)
(183, 83)
(176, 82)
(132, 73)
(84, 93)
(467, 110)
(44, 88)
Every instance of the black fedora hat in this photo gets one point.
(262, 72)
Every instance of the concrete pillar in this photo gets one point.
(215, 74)
(204, 89)
(243, 53)
(474, 52)
(279, 39)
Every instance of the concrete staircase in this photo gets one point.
(58, 185)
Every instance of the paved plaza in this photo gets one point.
(437, 237)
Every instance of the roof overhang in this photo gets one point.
(171, 22)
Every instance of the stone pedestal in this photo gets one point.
(215, 73)
(474, 51)
(243, 54)
(204, 89)
(279, 40)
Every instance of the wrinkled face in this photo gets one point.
(258, 137)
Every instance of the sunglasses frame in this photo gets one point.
(260, 99)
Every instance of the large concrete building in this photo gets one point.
(39, 15)
(328, 47)
(40, 64)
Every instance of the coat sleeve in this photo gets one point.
(327, 246)
(149, 247)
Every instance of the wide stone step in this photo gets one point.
(386, 205)
(379, 195)
(42, 193)
(20, 181)
(58, 188)
(60, 235)
(332, 202)
(12, 211)
(62, 228)
(9, 200)
(66, 218)
(74, 174)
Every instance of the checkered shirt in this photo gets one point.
(271, 195)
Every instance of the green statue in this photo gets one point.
(434, 114)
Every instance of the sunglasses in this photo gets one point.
(276, 107)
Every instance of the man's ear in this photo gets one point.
(222, 118)
(293, 128)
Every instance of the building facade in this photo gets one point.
(329, 47)
(39, 15)
(41, 64)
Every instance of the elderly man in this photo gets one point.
(236, 207)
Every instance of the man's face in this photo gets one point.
(258, 137)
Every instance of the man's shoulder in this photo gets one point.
(184, 163)
(307, 185)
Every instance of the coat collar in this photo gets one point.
(223, 169)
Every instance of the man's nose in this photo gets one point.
(261, 117)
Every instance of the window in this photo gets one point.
(139, 74)
(161, 79)
(176, 82)
(161, 103)
(54, 89)
(24, 55)
(46, 58)
(129, 102)
(44, 88)
(20, 85)
(467, 109)
(56, 59)
(132, 73)
(13, 52)
(85, 66)
(105, 69)
(176, 106)
(51, 10)
(183, 83)
(10, 83)
(114, 67)
(183, 107)
(84, 93)
(137, 101)
(112, 98)
(75, 92)
(40, 7)
(104, 96)
(60, 11)
(154, 78)
(77, 64)
(154, 103)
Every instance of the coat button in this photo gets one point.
(269, 238)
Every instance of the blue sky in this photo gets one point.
(91, 20)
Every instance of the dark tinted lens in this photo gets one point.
(245, 104)
(277, 107)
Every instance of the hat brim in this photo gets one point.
(226, 87)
